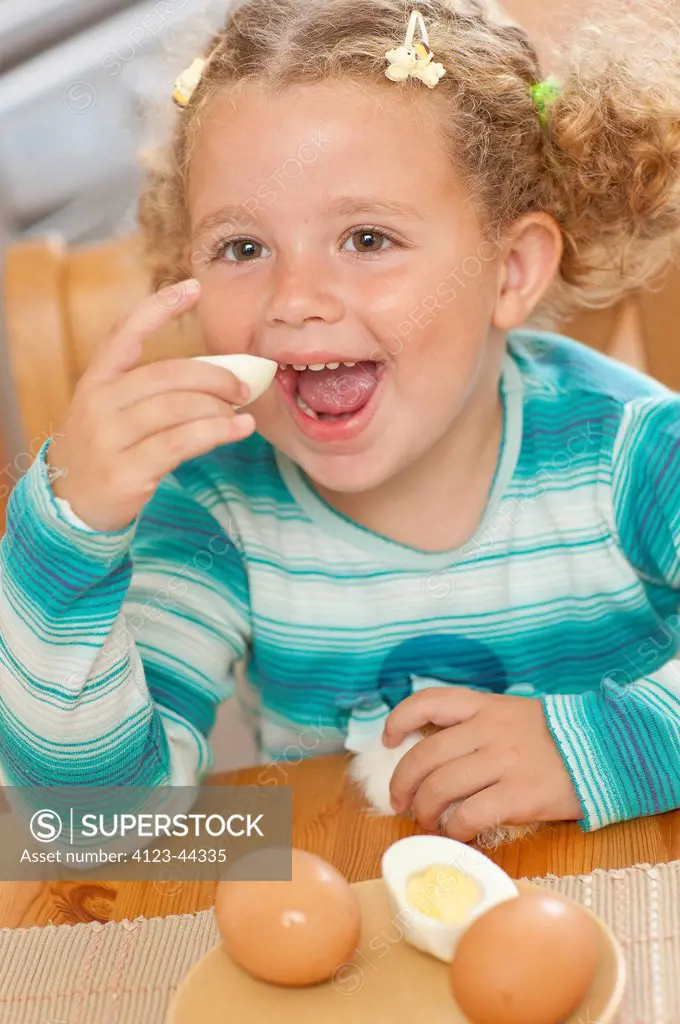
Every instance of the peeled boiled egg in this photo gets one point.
(290, 933)
(527, 961)
(437, 887)
(255, 371)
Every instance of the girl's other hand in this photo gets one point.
(127, 428)
(493, 757)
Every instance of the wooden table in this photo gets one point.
(329, 819)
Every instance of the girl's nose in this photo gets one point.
(301, 291)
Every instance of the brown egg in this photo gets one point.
(290, 933)
(529, 960)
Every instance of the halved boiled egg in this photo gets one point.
(437, 886)
(255, 371)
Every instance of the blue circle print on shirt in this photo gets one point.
(447, 657)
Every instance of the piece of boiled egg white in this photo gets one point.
(437, 886)
(255, 371)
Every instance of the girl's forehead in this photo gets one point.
(318, 136)
(354, 99)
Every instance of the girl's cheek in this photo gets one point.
(222, 313)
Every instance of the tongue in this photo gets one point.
(336, 391)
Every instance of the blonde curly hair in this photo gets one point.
(605, 162)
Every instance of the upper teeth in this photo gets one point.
(314, 366)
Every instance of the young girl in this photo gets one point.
(432, 509)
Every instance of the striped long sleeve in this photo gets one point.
(115, 648)
(621, 741)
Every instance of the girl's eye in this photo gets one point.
(368, 241)
(245, 250)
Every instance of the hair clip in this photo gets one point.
(187, 82)
(544, 95)
(414, 60)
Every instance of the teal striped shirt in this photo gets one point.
(117, 648)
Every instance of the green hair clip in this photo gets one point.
(544, 95)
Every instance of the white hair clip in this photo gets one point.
(414, 60)
(187, 82)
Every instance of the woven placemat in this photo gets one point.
(127, 972)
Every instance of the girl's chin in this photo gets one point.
(349, 474)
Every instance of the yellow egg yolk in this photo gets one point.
(443, 893)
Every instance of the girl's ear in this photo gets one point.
(532, 254)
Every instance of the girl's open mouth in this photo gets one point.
(332, 401)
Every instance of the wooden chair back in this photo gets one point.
(60, 303)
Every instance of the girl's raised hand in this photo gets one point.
(493, 758)
(126, 428)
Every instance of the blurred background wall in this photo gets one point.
(75, 79)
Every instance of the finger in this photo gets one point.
(436, 706)
(428, 755)
(178, 375)
(161, 412)
(454, 781)
(490, 808)
(163, 452)
(121, 351)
